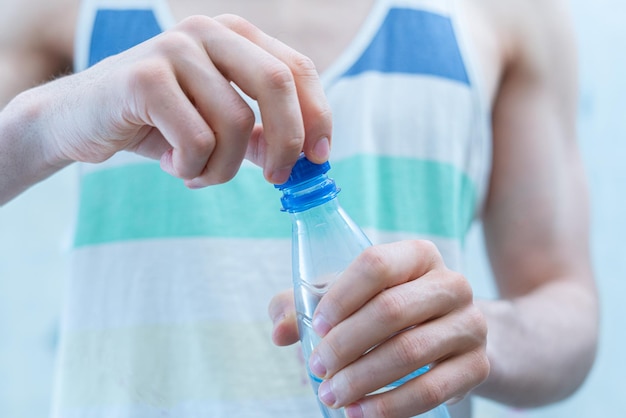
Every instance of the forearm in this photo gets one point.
(25, 157)
(541, 346)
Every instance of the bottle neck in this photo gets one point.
(308, 194)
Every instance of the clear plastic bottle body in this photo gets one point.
(325, 240)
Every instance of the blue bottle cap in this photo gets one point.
(307, 186)
(304, 170)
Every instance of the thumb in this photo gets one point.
(282, 312)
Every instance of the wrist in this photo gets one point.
(34, 119)
(500, 348)
(28, 153)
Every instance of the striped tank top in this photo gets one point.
(166, 308)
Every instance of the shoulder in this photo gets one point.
(531, 49)
(531, 34)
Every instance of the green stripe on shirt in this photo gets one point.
(393, 194)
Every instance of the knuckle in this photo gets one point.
(324, 112)
(295, 142)
(304, 66)
(478, 323)
(195, 23)
(329, 350)
(322, 115)
(427, 246)
(148, 75)
(430, 251)
(234, 22)
(348, 387)
(390, 307)
(180, 171)
(433, 394)
(383, 407)
(202, 143)
(463, 290)
(336, 301)
(243, 119)
(481, 366)
(279, 77)
(304, 70)
(374, 261)
(173, 42)
(408, 349)
(292, 143)
(476, 369)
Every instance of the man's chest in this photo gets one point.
(320, 29)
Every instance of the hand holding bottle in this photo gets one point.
(171, 98)
(402, 306)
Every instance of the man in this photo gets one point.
(162, 314)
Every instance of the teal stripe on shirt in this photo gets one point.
(395, 194)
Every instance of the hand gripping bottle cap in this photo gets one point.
(307, 186)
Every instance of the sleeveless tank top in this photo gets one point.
(166, 307)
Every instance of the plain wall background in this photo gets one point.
(35, 231)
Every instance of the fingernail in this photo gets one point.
(316, 366)
(278, 318)
(354, 411)
(326, 394)
(280, 175)
(167, 164)
(194, 183)
(322, 149)
(454, 400)
(320, 326)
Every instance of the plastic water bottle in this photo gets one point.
(324, 242)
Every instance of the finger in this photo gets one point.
(151, 144)
(257, 146)
(282, 312)
(313, 110)
(228, 115)
(453, 378)
(377, 268)
(158, 94)
(391, 311)
(456, 334)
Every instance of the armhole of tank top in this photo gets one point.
(358, 44)
(82, 35)
(164, 14)
(367, 31)
(482, 112)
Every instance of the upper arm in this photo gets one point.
(36, 42)
(536, 215)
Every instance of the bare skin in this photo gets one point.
(542, 332)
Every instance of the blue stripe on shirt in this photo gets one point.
(414, 42)
(115, 31)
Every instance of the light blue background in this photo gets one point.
(35, 232)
